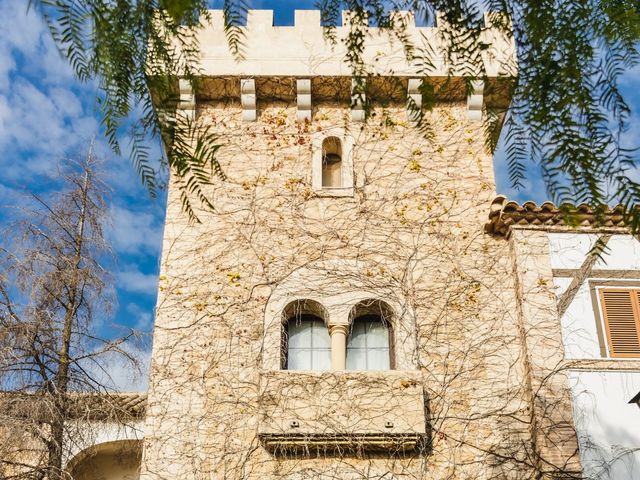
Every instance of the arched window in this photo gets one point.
(331, 163)
(369, 341)
(307, 345)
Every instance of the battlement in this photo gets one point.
(300, 63)
(302, 50)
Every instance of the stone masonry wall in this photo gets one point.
(551, 421)
(410, 235)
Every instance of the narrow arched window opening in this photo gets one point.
(370, 341)
(368, 344)
(331, 162)
(306, 343)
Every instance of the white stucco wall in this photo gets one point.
(568, 251)
(579, 332)
(608, 426)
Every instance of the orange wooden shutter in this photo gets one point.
(621, 310)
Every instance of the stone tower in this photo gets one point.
(341, 314)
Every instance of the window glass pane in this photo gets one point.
(377, 335)
(356, 359)
(299, 334)
(357, 336)
(321, 359)
(309, 344)
(368, 345)
(378, 359)
(299, 359)
(321, 338)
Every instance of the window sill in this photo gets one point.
(335, 192)
(605, 363)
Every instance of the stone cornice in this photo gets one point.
(330, 444)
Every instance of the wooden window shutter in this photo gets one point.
(621, 311)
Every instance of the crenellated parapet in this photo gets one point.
(301, 64)
(303, 49)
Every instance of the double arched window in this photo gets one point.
(312, 343)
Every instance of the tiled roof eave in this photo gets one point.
(505, 216)
(105, 406)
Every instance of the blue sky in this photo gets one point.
(45, 115)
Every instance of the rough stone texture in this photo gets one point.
(551, 413)
(411, 235)
(347, 398)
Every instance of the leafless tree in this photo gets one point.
(55, 295)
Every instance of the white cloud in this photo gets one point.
(135, 232)
(22, 28)
(133, 280)
(34, 127)
(24, 32)
(20, 32)
(8, 198)
(5, 115)
(66, 102)
(41, 110)
(7, 65)
(141, 319)
(630, 78)
(124, 373)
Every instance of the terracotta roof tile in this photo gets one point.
(504, 214)
(97, 406)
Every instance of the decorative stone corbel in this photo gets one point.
(303, 88)
(475, 101)
(414, 99)
(187, 103)
(248, 99)
(357, 102)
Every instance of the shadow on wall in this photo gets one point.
(119, 460)
(607, 424)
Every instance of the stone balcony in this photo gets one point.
(334, 412)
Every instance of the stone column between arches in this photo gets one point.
(338, 346)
